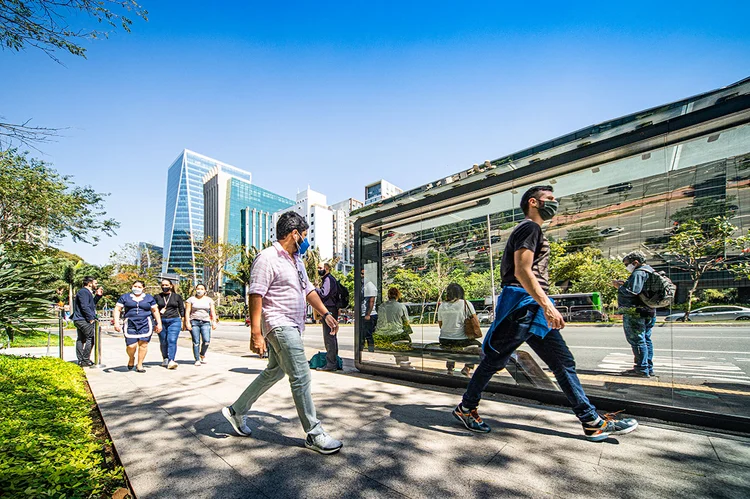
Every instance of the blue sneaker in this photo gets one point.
(471, 420)
(607, 426)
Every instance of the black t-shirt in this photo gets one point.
(173, 303)
(527, 235)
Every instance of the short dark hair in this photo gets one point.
(171, 284)
(138, 281)
(454, 292)
(88, 280)
(200, 284)
(394, 293)
(533, 193)
(288, 222)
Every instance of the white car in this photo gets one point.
(610, 231)
(717, 313)
(485, 316)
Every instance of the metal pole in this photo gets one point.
(492, 266)
(61, 332)
(98, 344)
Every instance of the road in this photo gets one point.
(687, 354)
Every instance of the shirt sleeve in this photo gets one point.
(121, 300)
(634, 284)
(261, 275)
(370, 290)
(86, 301)
(181, 305)
(527, 236)
(471, 308)
(440, 313)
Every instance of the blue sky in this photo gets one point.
(336, 95)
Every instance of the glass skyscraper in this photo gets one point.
(184, 216)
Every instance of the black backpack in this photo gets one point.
(341, 298)
(658, 290)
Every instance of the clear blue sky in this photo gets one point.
(337, 95)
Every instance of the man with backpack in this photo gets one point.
(638, 318)
(329, 294)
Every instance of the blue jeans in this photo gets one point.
(510, 334)
(286, 356)
(201, 333)
(168, 337)
(638, 334)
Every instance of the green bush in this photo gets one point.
(47, 444)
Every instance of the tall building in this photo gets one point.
(379, 190)
(343, 233)
(314, 209)
(149, 256)
(184, 217)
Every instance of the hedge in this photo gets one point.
(47, 443)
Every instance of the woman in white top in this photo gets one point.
(201, 313)
(452, 314)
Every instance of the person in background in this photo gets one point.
(637, 319)
(84, 318)
(369, 313)
(172, 311)
(327, 292)
(139, 312)
(279, 295)
(393, 324)
(201, 312)
(451, 316)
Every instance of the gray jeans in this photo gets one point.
(286, 355)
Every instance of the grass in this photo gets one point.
(39, 339)
(49, 443)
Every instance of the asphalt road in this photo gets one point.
(687, 354)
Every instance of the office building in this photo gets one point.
(343, 233)
(382, 189)
(314, 209)
(149, 256)
(184, 216)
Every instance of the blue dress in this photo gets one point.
(138, 320)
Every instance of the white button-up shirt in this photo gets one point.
(281, 280)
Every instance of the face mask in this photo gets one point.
(166, 289)
(200, 292)
(321, 273)
(548, 209)
(137, 291)
(302, 247)
(630, 268)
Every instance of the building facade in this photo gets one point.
(184, 215)
(343, 233)
(149, 256)
(313, 207)
(382, 189)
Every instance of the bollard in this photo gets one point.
(61, 334)
(98, 345)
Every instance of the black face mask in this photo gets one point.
(166, 289)
(321, 273)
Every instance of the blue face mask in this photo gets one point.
(302, 247)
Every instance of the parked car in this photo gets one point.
(625, 186)
(609, 231)
(710, 314)
(587, 316)
(485, 316)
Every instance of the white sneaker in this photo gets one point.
(203, 360)
(197, 362)
(172, 365)
(165, 363)
(239, 423)
(323, 443)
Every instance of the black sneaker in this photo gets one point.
(607, 426)
(471, 420)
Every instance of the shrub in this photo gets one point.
(47, 444)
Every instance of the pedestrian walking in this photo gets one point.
(369, 314)
(638, 319)
(172, 311)
(328, 292)
(201, 312)
(140, 319)
(84, 318)
(279, 292)
(524, 313)
(451, 316)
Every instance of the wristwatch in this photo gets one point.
(326, 315)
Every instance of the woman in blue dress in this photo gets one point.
(139, 312)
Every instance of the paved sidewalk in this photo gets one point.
(399, 441)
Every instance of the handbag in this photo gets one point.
(471, 324)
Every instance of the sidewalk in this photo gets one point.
(399, 441)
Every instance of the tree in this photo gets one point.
(43, 23)
(702, 246)
(214, 257)
(38, 206)
(583, 236)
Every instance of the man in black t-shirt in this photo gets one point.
(522, 309)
